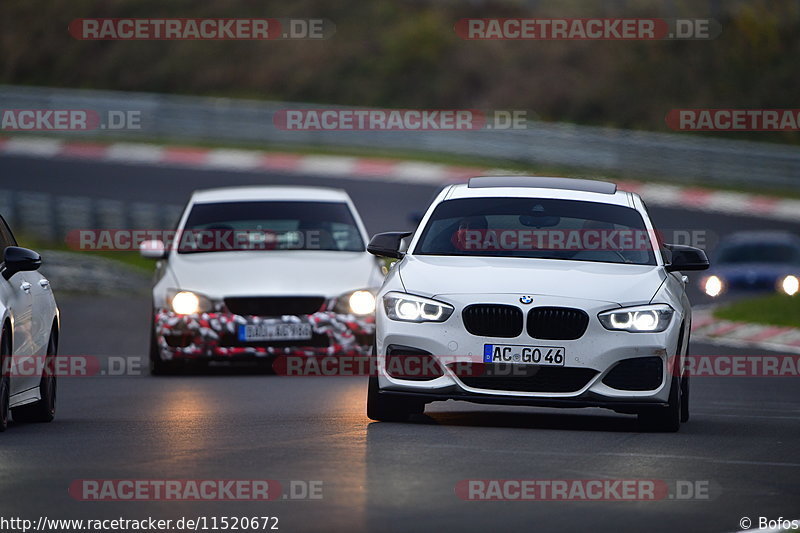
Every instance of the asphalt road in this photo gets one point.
(742, 439)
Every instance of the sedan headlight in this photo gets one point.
(790, 285)
(713, 286)
(409, 308)
(188, 302)
(641, 319)
(361, 302)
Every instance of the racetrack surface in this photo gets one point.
(376, 476)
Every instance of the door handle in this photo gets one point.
(43, 283)
(25, 286)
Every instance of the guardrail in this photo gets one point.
(49, 218)
(673, 157)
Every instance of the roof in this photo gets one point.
(543, 182)
(269, 192)
(540, 187)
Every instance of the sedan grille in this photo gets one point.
(557, 323)
(493, 320)
(274, 306)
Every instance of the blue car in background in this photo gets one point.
(766, 261)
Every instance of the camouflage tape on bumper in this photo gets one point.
(205, 335)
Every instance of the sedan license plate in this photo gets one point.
(524, 355)
(266, 331)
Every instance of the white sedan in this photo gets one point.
(29, 335)
(260, 272)
(534, 291)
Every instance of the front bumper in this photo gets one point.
(593, 356)
(586, 400)
(215, 335)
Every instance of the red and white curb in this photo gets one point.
(709, 329)
(344, 167)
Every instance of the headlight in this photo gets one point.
(790, 285)
(410, 308)
(361, 302)
(188, 302)
(641, 319)
(713, 286)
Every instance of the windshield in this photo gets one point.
(248, 226)
(537, 228)
(759, 253)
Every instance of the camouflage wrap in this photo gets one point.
(206, 334)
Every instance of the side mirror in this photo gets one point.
(686, 258)
(388, 244)
(152, 249)
(16, 259)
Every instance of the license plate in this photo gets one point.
(524, 355)
(266, 331)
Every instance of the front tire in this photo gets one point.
(685, 399)
(43, 410)
(159, 367)
(5, 385)
(383, 408)
(665, 419)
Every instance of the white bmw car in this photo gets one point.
(534, 291)
(259, 272)
(29, 320)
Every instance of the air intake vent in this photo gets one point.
(493, 320)
(557, 323)
(640, 373)
(274, 305)
(524, 378)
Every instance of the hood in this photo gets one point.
(264, 273)
(614, 283)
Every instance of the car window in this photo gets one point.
(661, 248)
(289, 225)
(6, 237)
(537, 228)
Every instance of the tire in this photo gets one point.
(665, 419)
(383, 408)
(43, 410)
(685, 399)
(5, 385)
(159, 367)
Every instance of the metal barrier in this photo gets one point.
(50, 218)
(685, 157)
